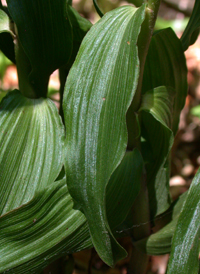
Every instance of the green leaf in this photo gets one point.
(42, 230)
(31, 155)
(47, 227)
(123, 187)
(4, 23)
(80, 25)
(98, 92)
(184, 256)
(191, 32)
(160, 242)
(166, 66)
(157, 140)
(45, 34)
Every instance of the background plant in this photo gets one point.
(73, 183)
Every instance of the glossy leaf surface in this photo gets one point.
(98, 92)
(157, 140)
(45, 34)
(166, 66)
(160, 242)
(184, 256)
(192, 30)
(48, 227)
(31, 151)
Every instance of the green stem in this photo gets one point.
(153, 5)
(138, 262)
(23, 71)
(141, 229)
(141, 215)
(140, 210)
(98, 10)
(38, 86)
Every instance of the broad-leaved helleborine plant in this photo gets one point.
(81, 177)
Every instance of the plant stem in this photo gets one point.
(31, 90)
(38, 86)
(141, 217)
(23, 70)
(138, 262)
(140, 211)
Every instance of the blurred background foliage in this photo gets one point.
(186, 150)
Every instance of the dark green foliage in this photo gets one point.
(73, 183)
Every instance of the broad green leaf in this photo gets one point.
(31, 155)
(98, 92)
(161, 241)
(45, 34)
(47, 227)
(162, 198)
(80, 26)
(157, 140)
(184, 256)
(166, 66)
(192, 30)
(123, 187)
